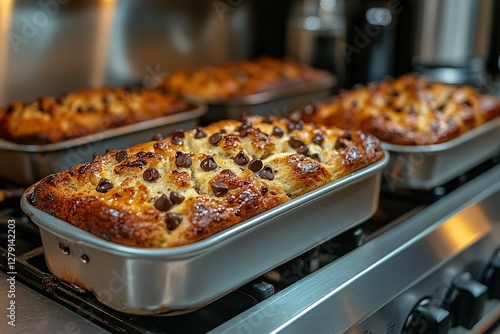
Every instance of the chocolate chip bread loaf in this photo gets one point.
(193, 184)
(239, 78)
(410, 110)
(86, 111)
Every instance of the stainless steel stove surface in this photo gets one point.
(426, 262)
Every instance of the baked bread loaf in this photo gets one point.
(410, 110)
(86, 111)
(194, 184)
(218, 82)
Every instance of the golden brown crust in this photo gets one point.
(83, 112)
(409, 110)
(214, 172)
(216, 82)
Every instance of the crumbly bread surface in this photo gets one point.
(216, 82)
(194, 184)
(410, 110)
(86, 111)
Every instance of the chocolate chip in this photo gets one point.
(157, 137)
(10, 109)
(340, 144)
(59, 100)
(121, 155)
(208, 164)
(178, 133)
(163, 203)
(79, 109)
(104, 185)
(176, 141)
(295, 142)
(295, 125)
(182, 160)
(278, 132)
(255, 165)
(304, 149)
(318, 139)
(347, 135)
(267, 173)
(440, 107)
(219, 188)
(151, 174)
(136, 163)
(143, 154)
(176, 198)
(315, 156)
(105, 100)
(244, 130)
(268, 119)
(241, 159)
(84, 168)
(173, 220)
(91, 109)
(200, 133)
(215, 138)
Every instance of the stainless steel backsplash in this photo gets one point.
(53, 46)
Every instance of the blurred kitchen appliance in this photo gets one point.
(365, 40)
(453, 40)
(316, 34)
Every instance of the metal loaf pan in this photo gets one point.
(26, 164)
(427, 166)
(280, 101)
(169, 281)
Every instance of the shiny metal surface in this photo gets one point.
(155, 281)
(38, 314)
(282, 101)
(428, 166)
(353, 288)
(30, 163)
(52, 46)
(453, 32)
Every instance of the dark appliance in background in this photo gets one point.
(366, 40)
(359, 41)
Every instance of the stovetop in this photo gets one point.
(394, 209)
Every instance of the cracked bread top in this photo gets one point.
(195, 183)
(239, 78)
(410, 110)
(86, 111)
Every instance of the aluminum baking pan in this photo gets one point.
(427, 166)
(280, 101)
(174, 280)
(26, 164)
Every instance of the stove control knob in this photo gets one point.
(465, 300)
(491, 277)
(427, 318)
